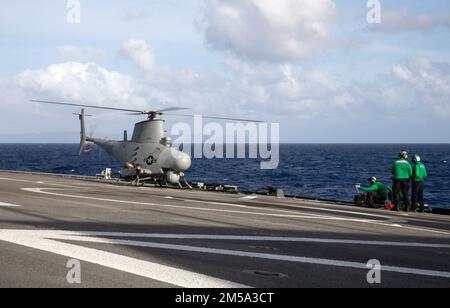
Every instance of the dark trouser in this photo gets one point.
(374, 198)
(401, 187)
(417, 196)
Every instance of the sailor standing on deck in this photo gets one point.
(418, 178)
(401, 172)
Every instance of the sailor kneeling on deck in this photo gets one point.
(377, 193)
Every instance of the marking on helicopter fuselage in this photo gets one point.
(150, 160)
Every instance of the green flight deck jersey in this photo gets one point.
(402, 170)
(419, 172)
(378, 187)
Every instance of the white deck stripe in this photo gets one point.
(297, 207)
(41, 191)
(336, 263)
(35, 239)
(254, 238)
(155, 271)
(38, 182)
(16, 180)
(230, 204)
(249, 198)
(2, 204)
(307, 216)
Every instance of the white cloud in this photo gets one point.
(170, 86)
(274, 89)
(83, 83)
(141, 53)
(402, 73)
(282, 30)
(266, 91)
(428, 81)
(257, 90)
(79, 83)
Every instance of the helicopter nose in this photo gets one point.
(183, 162)
(175, 160)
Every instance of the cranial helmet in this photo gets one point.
(403, 154)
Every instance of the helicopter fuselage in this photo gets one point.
(149, 148)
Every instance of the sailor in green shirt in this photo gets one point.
(377, 193)
(418, 177)
(401, 172)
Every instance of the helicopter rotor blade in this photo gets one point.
(162, 111)
(87, 106)
(172, 109)
(140, 112)
(216, 118)
(133, 111)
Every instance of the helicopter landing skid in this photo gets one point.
(182, 184)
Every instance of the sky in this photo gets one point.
(317, 67)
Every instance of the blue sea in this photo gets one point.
(326, 171)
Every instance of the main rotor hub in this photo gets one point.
(153, 114)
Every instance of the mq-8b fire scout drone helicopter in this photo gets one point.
(149, 148)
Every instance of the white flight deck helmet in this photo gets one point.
(372, 179)
(403, 154)
(417, 159)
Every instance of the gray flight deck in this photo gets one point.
(152, 237)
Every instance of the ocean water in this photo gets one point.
(308, 170)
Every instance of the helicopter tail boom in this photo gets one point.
(83, 137)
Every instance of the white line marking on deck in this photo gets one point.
(229, 204)
(2, 204)
(255, 238)
(47, 241)
(287, 215)
(178, 277)
(301, 207)
(16, 180)
(418, 229)
(202, 209)
(248, 198)
(34, 182)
